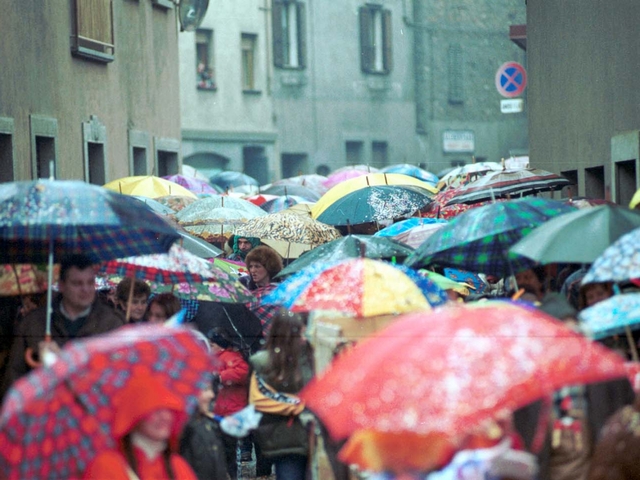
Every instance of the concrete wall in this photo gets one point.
(138, 90)
(584, 65)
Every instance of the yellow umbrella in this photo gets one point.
(364, 181)
(148, 186)
(635, 201)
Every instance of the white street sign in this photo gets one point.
(512, 105)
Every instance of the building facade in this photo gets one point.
(226, 103)
(584, 100)
(90, 88)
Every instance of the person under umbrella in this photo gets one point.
(147, 423)
(162, 307)
(241, 246)
(137, 295)
(76, 313)
(264, 263)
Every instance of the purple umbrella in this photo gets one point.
(192, 184)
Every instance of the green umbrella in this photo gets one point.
(351, 246)
(577, 237)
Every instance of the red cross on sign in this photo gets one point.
(511, 79)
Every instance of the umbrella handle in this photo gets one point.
(29, 355)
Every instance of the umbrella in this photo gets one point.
(612, 316)
(374, 204)
(224, 288)
(484, 361)
(479, 240)
(402, 226)
(456, 176)
(350, 246)
(295, 190)
(313, 182)
(359, 287)
(260, 199)
(234, 321)
(418, 235)
(586, 202)
(365, 181)
(189, 171)
(175, 202)
(635, 200)
(147, 186)
(509, 182)
(282, 203)
(154, 205)
(412, 171)
(194, 185)
(197, 246)
(230, 266)
(231, 179)
(56, 419)
(22, 279)
(294, 231)
(619, 262)
(337, 177)
(577, 237)
(200, 210)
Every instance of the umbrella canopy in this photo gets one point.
(619, 262)
(233, 321)
(635, 200)
(56, 419)
(412, 171)
(418, 235)
(260, 199)
(224, 288)
(289, 228)
(230, 179)
(312, 182)
(147, 186)
(457, 176)
(612, 316)
(359, 287)
(76, 217)
(154, 205)
(402, 226)
(189, 171)
(364, 181)
(282, 203)
(375, 204)
(175, 202)
(479, 239)
(200, 210)
(197, 246)
(192, 184)
(484, 360)
(295, 190)
(22, 279)
(176, 266)
(509, 182)
(577, 237)
(350, 246)
(338, 177)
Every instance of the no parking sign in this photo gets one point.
(511, 79)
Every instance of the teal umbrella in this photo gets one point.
(351, 246)
(479, 240)
(577, 237)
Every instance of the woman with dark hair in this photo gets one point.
(281, 370)
(162, 307)
(263, 263)
(146, 426)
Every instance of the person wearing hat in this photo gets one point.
(241, 246)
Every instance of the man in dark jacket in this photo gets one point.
(76, 313)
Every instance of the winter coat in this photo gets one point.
(201, 446)
(30, 332)
(234, 382)
(142, 395)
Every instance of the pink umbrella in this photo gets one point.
(192, 184)
(339, 177)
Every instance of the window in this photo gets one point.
(204, 60)
(456, 94)
(289, 37)
(294, 164)
(255, 163)
(375, 39)
(138, 152)
(93, 36)
(44, 148)
(248, 62)
(94, 133)
(570, 190)
(7, 165)
(354, 152)
(378, 154)
(167, 162)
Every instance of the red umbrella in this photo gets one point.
(447, 371)
(57, 418)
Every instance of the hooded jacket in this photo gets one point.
(143, 395)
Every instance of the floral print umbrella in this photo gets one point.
(619, 262)
(612, 316)
(483, 360)
(23, 279)
(175, 202)
(202, 208)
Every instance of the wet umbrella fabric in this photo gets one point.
(197, 246)
(200, 210)
(402, 226)
(479, 239)
(194, 185)
(77, 218)
(147, 186)
(232, 320)
(56, 419)
(619, 262)
(412, 171)
(231, 179)
(418, 235)
(577, 237)
(175, 202)
(154, 205)
(282, 203)
(350, 246)
(612, 316)
(485, 360)
(22, 279)
(313, 182)
(374, 204)
(295, 190)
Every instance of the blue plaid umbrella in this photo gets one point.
(479, 239)
(611, 316)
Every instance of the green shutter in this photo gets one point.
(387, 61)
(302, 34)
(278, 49)
(366, 42)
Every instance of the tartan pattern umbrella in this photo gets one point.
(76, 217)
(479, 239)
(56, 419)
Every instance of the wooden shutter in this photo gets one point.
(302, 34)
(387, 60)
(278, 48)
(366, 42)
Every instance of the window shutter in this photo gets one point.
(366, 42)
(278, 48)
(456, 91)
(388, 39)
(302, 35)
